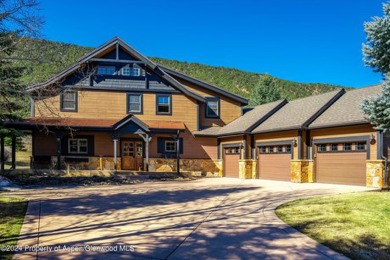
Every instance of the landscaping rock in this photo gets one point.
(7, 153)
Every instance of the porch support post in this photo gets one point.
(178, 152)
(58, 139)
(115, 154)
(147, 140)
(13, 164)
(2, 156)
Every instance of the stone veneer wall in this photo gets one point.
(207, 167)
(247, 169)
(375, 174)
(93, 163)
(302, 171)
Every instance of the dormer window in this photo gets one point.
(134, 72)
(106, 70)
(212, 107)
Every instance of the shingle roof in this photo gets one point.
(298, 113)
(95, 123)
(346, 110)
(246, 122)
(211, 131)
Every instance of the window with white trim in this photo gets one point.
(135, 72)
(106, 70)
(170, 146)
(69, 101)
(134, 103)
(78, 146)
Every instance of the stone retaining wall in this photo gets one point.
(207, 167)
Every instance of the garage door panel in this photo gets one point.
(231, 165)
(341, 168)
(274, 166)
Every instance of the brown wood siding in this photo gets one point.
(348, 131)
(230, 165)
(193, 148)
(105, 104)
(44, 144)
(279, 136)
(341, 168)
(274, 166)
(230, 109)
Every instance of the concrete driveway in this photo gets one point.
(207, 218)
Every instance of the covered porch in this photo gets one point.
(99, 144)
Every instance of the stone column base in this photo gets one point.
(246, 168)
(375, 173)
(302, 171)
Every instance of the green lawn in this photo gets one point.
(22, 160)
(12, 211)
(355, 224)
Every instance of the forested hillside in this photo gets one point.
(48, 58)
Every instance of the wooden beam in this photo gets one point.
(58, 139)
(117, 51)
(178, 152)
(117, 61)
(13, 164)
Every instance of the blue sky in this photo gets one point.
(300, 40)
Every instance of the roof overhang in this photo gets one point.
(128, 124)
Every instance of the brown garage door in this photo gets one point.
(231, 157)
(274, 166)
(340, 166)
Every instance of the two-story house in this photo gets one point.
(116, 109)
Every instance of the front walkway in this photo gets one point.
(208, 218)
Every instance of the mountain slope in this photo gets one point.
(48, 58)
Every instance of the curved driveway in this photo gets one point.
(217, 218)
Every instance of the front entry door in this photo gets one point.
(132, 152)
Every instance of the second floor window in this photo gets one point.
(69, 101)
(135, 72)
(163, 104)
(106, 70)
(134, 103)
(212, 107)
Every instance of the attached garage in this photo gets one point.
(231, 157)
(341, 163)
(274, 162)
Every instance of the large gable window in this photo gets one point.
(69, 101)
(212, 107)
(134, 72)
(134, 103)
(106, 70)
(164, 104)
(78, 146)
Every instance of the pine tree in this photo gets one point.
(266, 91)
(18, 19)
(377, 56)
(377, 109)
(11, 91)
